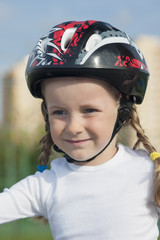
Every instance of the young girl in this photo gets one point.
(89, 75)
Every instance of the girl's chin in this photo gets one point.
(81, 157)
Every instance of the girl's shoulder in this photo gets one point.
(141, 153)
(136, 157)
(59, 166)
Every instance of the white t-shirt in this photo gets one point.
(106, 202)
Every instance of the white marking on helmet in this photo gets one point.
(93, 41)
(54, 29)
(38, 58)
(54, 55)
(104, 41)
(49, 43)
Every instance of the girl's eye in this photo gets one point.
(90, 110)
(59, 112)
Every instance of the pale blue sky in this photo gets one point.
(23, 22)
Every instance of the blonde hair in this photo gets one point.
(46, 141)
(142, 138)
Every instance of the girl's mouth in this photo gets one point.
(77, 142)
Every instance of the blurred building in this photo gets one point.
(21, 111)
(1, 100)
(149, 111)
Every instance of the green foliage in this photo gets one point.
(18, 156)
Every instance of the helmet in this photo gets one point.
(91, 49)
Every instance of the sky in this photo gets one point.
(22, 23)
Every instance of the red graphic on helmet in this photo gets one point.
(57, 37)
(126, 61)
(49, 50)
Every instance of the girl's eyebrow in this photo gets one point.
(50, 108)
(54, 106)
(81, 106)
(90, 105)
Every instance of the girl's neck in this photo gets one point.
(102, 158)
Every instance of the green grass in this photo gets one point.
(25, 230)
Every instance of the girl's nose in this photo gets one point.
(74, 125)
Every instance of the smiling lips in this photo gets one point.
(77, 142)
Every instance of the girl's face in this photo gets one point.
(82, 114)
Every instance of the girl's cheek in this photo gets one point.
(56, 126)
(93, 125)
(55, 133)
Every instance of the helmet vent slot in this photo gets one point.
(67, 37)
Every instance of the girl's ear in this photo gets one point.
(45, 114)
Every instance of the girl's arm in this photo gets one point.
(26, 198)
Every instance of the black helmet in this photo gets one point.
(91, 49)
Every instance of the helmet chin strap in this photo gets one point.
(122, 117)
